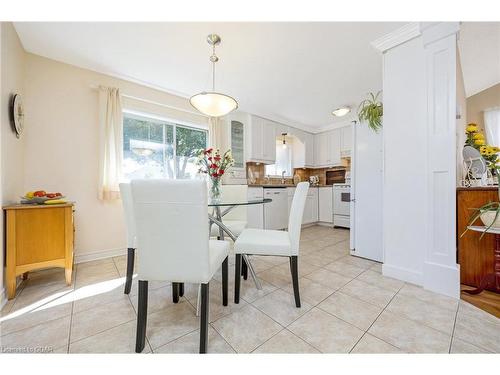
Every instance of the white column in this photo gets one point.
(419, 98)
(441, 272)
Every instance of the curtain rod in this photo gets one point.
(125, 95)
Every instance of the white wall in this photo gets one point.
(12, 64)
(62, 144)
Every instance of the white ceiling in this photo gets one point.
(295, 72)
(479, 46)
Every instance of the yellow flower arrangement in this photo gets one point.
(478, 141)
(478, 136)
(471, 128)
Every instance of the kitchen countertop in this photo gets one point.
(282, 185)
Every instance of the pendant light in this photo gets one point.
(284, 140)
(212, 103)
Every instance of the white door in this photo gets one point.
(366, 189)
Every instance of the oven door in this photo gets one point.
(341, 202)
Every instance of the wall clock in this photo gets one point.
(17, 113)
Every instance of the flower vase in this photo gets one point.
(215, 190)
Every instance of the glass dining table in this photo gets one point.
(223, 207)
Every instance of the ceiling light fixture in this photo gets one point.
(342, 111)
(212, 103)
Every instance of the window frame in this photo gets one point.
(166, 121)
(290, 151)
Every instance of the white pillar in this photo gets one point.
(420, 155)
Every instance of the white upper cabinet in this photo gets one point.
(269, 144)
(327, 148)
(261, 141)
(346, 141)
(309, 146)
(303, 149)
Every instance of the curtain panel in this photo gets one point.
(215, 132)
(111, 143)
(492, 125)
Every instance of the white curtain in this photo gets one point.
(492, 125)
(215, 132)
(111, 143)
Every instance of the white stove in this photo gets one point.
(341, 205)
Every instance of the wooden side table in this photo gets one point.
(491, 280)
(37, 237)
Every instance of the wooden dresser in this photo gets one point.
(38, 236)
(476, 257)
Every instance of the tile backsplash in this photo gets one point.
(256, 173)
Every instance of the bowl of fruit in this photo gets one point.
(42, 197)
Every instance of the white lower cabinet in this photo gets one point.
(311, 207)
(325, 204)
(255, 212)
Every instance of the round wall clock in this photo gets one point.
(18, 114)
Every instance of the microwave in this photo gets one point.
(336, 176)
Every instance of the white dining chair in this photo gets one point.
(172, 235)
(274, 242)
(126, 196)
(236, 219)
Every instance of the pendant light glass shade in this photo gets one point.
(213, 104)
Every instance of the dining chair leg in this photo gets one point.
(225, 276)
(181, 289)
(204, 318)
(237, 278)
(175, 292)
(142, 313)
(244, 269)
(295, 278)
(130, 269)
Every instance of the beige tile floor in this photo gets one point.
(347, 307)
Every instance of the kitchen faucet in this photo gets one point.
(283, 177)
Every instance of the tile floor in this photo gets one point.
(347, 307)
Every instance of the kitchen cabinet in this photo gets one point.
(325, 204)
(303, 149)
(275, 212)
(255, 212)
(261, 141)
(346, 140)
(311, 207)
(309, 150)
(38, 237)
(327, 148)
(320, 149)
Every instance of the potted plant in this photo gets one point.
(215, 166)
(371, 110)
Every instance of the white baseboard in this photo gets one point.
(101, 254)
(324, 224)
(403, 274)
(442, 279)
(3, 298)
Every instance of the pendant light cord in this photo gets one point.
(214, 60)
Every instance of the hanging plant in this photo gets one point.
(371, 111)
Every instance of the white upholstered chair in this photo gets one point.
(274, 242)
(126, 196)
(236, 219)
(172, 235)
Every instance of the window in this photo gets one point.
(155, 148)
(283, 160)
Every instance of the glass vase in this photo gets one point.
(215, 190)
